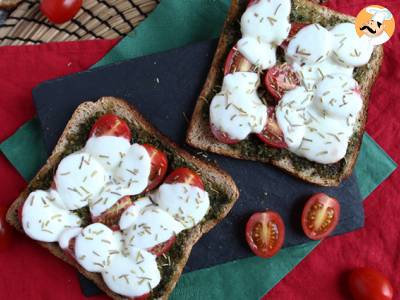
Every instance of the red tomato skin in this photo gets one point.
(272, 135)
(111, 125)
(324, 199)
(276, 218)
(162, 248)
(159, 166)
(222, 136)
(369, 284)
(60, 11)
(185, 175)
(5, 229)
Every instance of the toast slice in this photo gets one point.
(9, 4)
(199, 133)
(222, 190)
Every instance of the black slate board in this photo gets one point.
(164, 87)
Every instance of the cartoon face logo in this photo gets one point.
(375, 24)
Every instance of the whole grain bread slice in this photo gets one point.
(220, 186)
(199, 134)
(9, 4)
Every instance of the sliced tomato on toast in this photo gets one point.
(111, 125)
(222, 136)
(159, 166)
(280, 79)
(162, 248)
(236, 62)
(185, 175)
(112, 215)
(272, 134)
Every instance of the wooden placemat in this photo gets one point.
(104, 19)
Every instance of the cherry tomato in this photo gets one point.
(143, 297)
(60, 11)
(112, 215)
(280, 79)
(320, 216)
(159, 165)
(236, 62)
(162, 248)
(265, 233)
(295, 28)
(222, 136)
(185, 175)
(272, 134)
(5, 229)
(110, 125)
(369, 284)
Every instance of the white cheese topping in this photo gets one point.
(108, 150)
(128, 217)
(132, 275)
(134, 170)
(187, 204)
(67, 235)
(94, 247)
(44, 221)
(320, 126)
(151, 227)
(78, 178)
(264, 25)
(108, 196)
(237, 110)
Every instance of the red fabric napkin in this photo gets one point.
(322, 274)
(46, 277)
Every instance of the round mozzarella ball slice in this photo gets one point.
(55, 198)
(78, 178)
(151, 227)
(107, 197)
(132, 275)
(108, 150)
(129, 217)
(67, 235)
(348, 48)
(42, 220)
(186, 203)
(134, 169)
(94, 247)
(257, 52)
(312, 44)
(336, 97)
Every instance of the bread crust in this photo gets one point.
(9, 4)
(199, 134)
(210, 174)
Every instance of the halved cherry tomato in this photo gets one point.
(185, 175)
(222, 136)
(369, 284)
(5, 229)
(60, 11)
(272, 134)
(280, 79)
(320, 216)
(265, 233)
(295, 28)
(110, 125)
(112, 215)
(159, 165)
(162, 248)
(236, 62)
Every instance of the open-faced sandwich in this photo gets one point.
(122, 203)
(289, 85)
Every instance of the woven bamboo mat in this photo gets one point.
(104, 19)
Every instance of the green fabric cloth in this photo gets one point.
(175, 23)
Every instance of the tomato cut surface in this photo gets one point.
(369, 284)
(162, 248)
(280, 79)
(112, 215)
(265, 233)
(222, 136)
(60, 11)
(272, 134)
(236, 62)
(111, 125)
(185, 175)
(320, 216)
(159, 165)
(5, 229)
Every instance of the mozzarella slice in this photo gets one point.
(44, 221)
(186, 203)
(94, 247)
(237, 110)
(128, 217)
(134, 170)
(151, 227)
(108, 150)
(133, 275)
(79, 177)
(67, 235)
(108, 196)
(258, 53)
(312, 44)
(348, 48)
